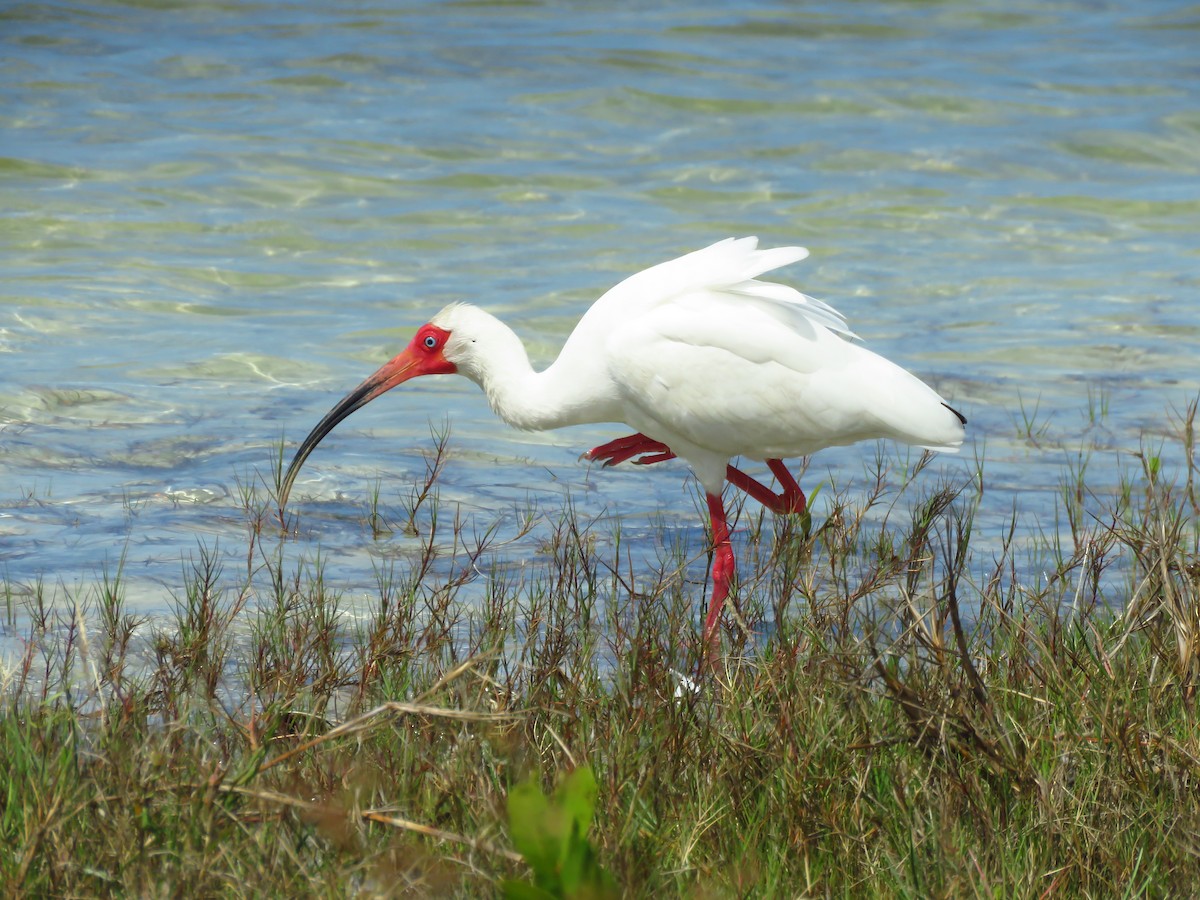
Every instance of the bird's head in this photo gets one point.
(433, 350)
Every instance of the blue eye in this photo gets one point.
(430, 341)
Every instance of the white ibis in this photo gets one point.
(704, 362)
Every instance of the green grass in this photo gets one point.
(898, 713)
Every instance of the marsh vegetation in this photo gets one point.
(907, 706)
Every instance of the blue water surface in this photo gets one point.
(220, 216)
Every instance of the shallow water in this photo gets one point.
(219, 217)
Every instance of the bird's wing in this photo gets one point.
(738, 379)
(730, 268)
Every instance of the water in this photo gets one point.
(219, 217)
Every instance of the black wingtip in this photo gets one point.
(961, 417)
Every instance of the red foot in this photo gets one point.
(616, 452)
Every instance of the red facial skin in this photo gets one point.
(424, 355)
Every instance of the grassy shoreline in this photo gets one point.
(898, 714)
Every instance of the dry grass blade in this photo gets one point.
(385, 818)
(392, 707)
(381, 817)
(461, 669)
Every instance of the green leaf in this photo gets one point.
(577, 798)
(523, 890)
(529, 826)
(551, 835)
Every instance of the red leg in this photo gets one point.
(651, 451)
(790, 501)
(753, 487)
(722, 573)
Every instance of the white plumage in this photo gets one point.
(704, 361)
(700, 356)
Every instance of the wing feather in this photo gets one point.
(730, 267)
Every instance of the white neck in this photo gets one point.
(575, 390)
